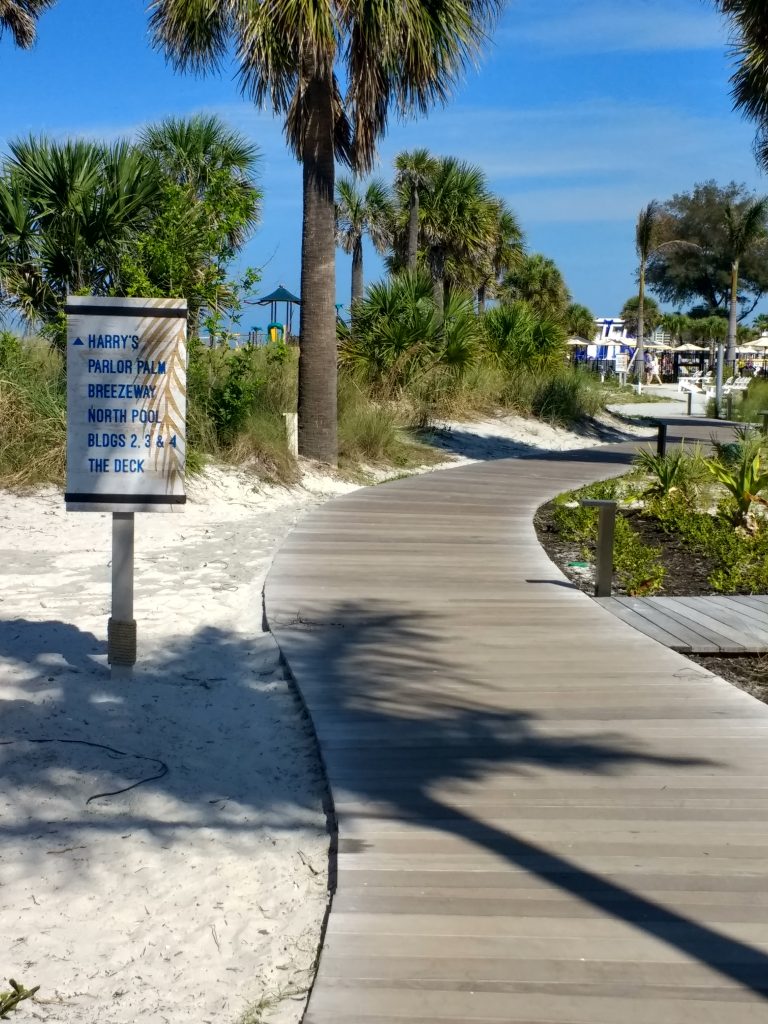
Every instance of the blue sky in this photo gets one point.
(580, 113)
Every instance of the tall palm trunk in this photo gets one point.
(437, 270)
(317, 352)
(481, 292)
(357, 272)
(413, 228)
(733, 317)
(640, 350)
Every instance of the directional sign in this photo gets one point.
(126, 404)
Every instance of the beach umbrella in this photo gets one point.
(759, 343)
(746, 351)
(580, 342)
(690, 348)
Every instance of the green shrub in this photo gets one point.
(574, 522)
(637, 565)
(32, 414)
(753, 402)
(399, 336)
(372, 432)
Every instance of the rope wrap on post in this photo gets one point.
(121, 642)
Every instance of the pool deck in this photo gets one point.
(544, 816)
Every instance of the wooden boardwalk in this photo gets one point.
(697, 625)
(544, 817)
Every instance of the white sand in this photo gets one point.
(200, 894)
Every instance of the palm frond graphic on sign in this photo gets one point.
(163, 341)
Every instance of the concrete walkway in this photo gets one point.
(544, 817)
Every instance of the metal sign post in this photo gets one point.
(126, 429)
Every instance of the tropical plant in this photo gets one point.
(580, 321)
(745, 230)
(68, 210)
(630, 314)
(503, 253)
(537, 280)
(455, 224)
(750, 79)
(295, 54)
(667, 471)
(358, 213)
(210, 205)
(518, 335)
(693, 268)
(646, 232)
(19, 17)
(400, 335)
(413, 172)
(745, 482)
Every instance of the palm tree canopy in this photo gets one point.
(455, 207)
(538, 281)
(19, 17)
(646, 230)
(405, 60)
(413, 168)
(750, 51)
(580, 321)
(745, 225)
(358, 213)
(192, 149)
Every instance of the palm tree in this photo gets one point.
(538, 281)
(289, 53)
(580, 321)
(750, 80)
(212, 205)
(646, 231)
(67, 212)
(19, 17)
(455, 222)
(357, 213)
(413, 172)
(745, 226)
(202, 152)
(504, 253)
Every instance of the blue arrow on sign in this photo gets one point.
(78, 341)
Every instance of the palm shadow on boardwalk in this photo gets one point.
(404, 741)
(408, 743)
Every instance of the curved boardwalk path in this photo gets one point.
(544, 816)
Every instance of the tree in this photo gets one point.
(503, 254)
(750, 79)
(413, 172)
(630, 314)
(294, 54)
(358, 213)
(455, 222)
(210, 205)
(646, 235)
(537, 280)
(68, 211)
(580, 321)
(679, 327)
(19, 17)
(745, 232)
(697, 268)
(760, 323)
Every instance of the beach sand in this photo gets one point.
(198, 895)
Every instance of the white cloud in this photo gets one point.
(615, 26)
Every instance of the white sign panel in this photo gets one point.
(126, 404)
(621, 362)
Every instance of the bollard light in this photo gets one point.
(606, 526)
